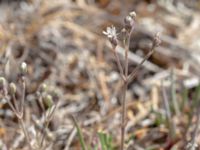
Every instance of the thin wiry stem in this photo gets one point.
(173, 93)
(23, 95)
(125, 86)
(12, 107)
(15, 102)
(28, 140)
(48, 118)
(123, 122)
(135, 71)
(119, 65)
(171, 124)
(43, 132)
(126, 53)
(193, 144)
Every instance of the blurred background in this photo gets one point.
(63, 45)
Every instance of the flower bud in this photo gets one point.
(43, 88)
(132, 14)
(129, 23)
(156, 40)
(55, 95)
(12, 88)
(2, 83)
(48, 101)
(23, 68)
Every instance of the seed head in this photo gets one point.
(13, 88)
(23, 68)
(111, 33)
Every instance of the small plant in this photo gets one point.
(8, 92)
(106, 141)
(18, 110)
(126, 78)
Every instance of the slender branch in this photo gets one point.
(126, 52)
(135, 71)
(25, 132)
(21, 110)
(43, 132)
(173, 93)
(48, 118)
(12, 107)
(118, 63)
(193, 145)
(15, 102)
(170, 122)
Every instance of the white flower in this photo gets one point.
(110, 32)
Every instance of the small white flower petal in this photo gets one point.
(105, 33)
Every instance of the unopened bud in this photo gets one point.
(55, 95)
(43, 88)
(48, 101)
(132, 14)
(2, 82)
(156, 40)
(129, 23)
(13, 88)
(23, 68)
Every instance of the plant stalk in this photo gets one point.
(25, 132)
(123, 121)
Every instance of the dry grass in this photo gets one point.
(63, 45)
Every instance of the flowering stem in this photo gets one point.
(125, 86)
(126, 78)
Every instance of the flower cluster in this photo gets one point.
(111, 32)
